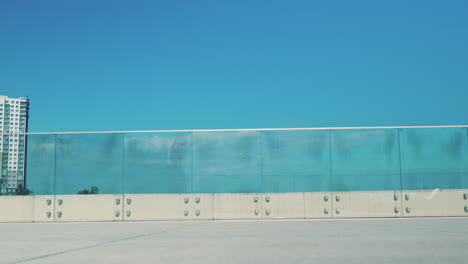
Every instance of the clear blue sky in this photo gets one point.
(143, 65)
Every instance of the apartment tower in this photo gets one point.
(13, 124)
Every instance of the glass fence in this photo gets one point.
(248, 161)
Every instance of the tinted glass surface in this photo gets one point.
(84, 161)
(365, 160)
(248, 161)
(226, 162)
(434, 158)
(295, 161)
(40, 164)
(158, 163)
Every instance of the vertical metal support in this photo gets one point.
(122, 205)
(55, 172)
(260, 135)
(332, 205)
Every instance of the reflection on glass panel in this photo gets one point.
(434, 158)
(365, 160)
(89, 164)
(40, 164)
(226, 162)
(158, 163)
(296, 161)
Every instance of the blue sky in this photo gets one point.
(144, 65)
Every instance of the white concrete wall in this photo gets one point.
(90, 207)
(366, 204)
(237, 206)
(283, 205)
(135, 207)
(168, 207)
(318, 205)
(16, 208)
(435, 203)
(44, 208)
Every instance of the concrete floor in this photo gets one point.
(415, 240)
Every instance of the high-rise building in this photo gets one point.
(13, 123)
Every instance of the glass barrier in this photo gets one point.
(365, 160)
(242, 161)
(434, 158)
(40, 164)
(89, 164)
(295, 161)
(226, 162)
(158, 163)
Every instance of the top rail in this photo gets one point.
(230, 130)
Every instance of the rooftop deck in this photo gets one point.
(415, 240)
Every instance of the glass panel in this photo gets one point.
(434, 158)
(365, 160)
(296, 161)
(158, 163)
(89, 163)
(226, 162)
(40, 164)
